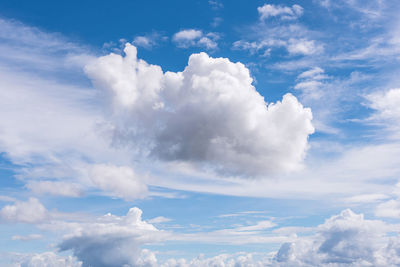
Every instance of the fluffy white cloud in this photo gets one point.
(346, 239)
(111, 240)
(31, 211)
(283, 12)
(192, 37)
(120, 181)
(209, 114)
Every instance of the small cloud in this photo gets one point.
(303, 47)
(159, 219)
(149, 41)
(283, 12)
(192, 38)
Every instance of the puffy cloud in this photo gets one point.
(49, 259)
(112, 240)
(192, 37)
(283, 12)
(31, 211)
(209, 115)
(120, 181)
(346, 239)
(55, 188)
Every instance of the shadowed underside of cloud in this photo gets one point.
(208, 115)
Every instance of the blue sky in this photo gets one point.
(199, 133)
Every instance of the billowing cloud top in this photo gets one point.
(209, 115)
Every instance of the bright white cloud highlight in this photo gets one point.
(209, 114)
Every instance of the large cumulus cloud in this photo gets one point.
(209, 115)
(346, 239)
(111, 240)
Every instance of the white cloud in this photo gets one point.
(120, 181)
(303, 47)
(237, 133)
(387, 109)
(311, 83)
(143, 41)
(159, 219)
(149, 41)
(111, 240)
(283, 12)
(192, 37)
(31, 211)
(55, 188)
(295, 38)
(388, 209)
(343, 240)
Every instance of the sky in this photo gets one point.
(199, 133)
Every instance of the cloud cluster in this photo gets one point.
(209, 114)
(191, 37)
(111, 240)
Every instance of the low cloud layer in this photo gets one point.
(209, 115)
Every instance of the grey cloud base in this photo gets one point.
(210, 115)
